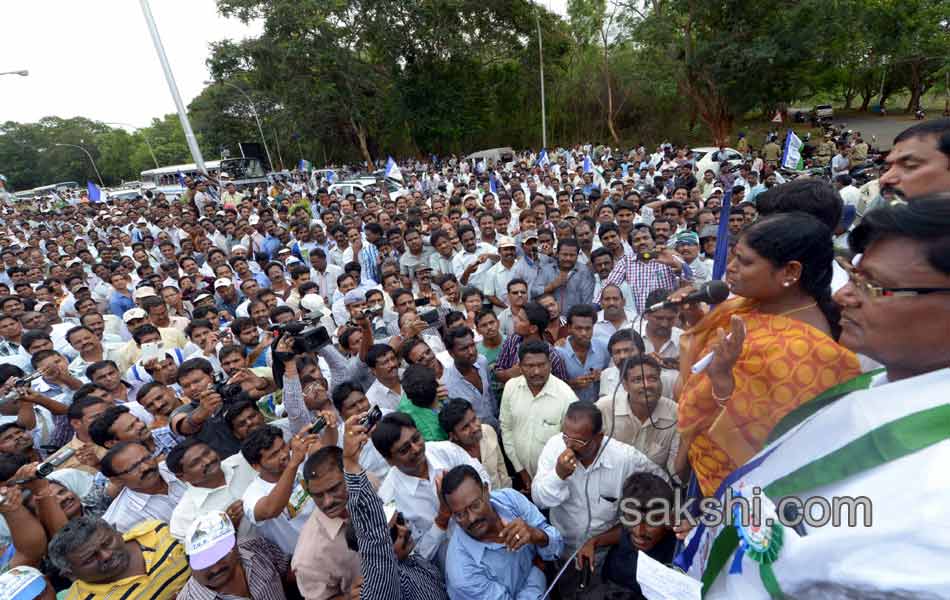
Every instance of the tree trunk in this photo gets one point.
(360, 133)
(610, 100)
(865, 100)
(916, 87)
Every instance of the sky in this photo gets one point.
(95, 58)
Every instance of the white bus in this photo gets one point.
(241, 171)
(166, 179)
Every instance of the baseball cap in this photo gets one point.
(223, 282)
(22, 583)
(209, 539)
(144, 292)
(709, 231)
(201, 297)
(530, 234)
(354, 296)
(686, 238)
(506, 242)
(132, 314)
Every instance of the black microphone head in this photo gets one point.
(716, 291)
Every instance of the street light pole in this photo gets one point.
(253, 112)
(173, 88)
(21, 73)
(94, 167)
(144, 137)
(544, 126)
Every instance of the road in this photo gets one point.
(885, 128)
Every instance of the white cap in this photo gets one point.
(223, 282)
(209, 539)
(144, 292)
(134, 313)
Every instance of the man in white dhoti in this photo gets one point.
(879, 444)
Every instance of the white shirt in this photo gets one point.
(850, 195)
(197, 501)
(566, 497)
(495, 281)
(284, 529)
(463, 259)
(416, 498)
(383, 397)
(603, 328)
(326, 280)
(131, 508)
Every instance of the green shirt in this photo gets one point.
(491, 356)
(426, 420)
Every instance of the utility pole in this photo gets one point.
(544, 126)
(173, 88)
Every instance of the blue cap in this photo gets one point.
(22, 583)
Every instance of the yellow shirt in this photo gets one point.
(529, 421)
(166, 569)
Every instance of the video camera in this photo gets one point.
(229, 392)
(14, 394)
(307, 336)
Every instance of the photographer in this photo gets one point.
(202, 416)
(298, 413)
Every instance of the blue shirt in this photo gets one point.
(118, 303)
(478, 570)
(483, 401)
(597, 358)
(270, 246)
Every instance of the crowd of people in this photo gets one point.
(458, 390)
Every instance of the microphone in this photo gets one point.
(711, 292)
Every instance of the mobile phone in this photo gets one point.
(422, 302)
(318, 426)
(371, 418)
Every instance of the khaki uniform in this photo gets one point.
(771, 153)
(826, 150)
(859, 153)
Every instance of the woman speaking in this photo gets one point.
(774, 346)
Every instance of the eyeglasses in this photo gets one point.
(134, 467)
(580, 443)
(864, 285)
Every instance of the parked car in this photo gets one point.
(823, 114)
(703, 158)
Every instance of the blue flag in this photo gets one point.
(588, 167)
(331, 176)
(392, 169)
(543, 159)
(304, 165)
(492, 186)
(94, 194)
(722, 237)
(181, 179)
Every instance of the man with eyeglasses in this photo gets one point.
(501, 537)
(881, 438)
(149, 489)
(579, 470)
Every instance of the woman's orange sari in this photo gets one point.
(784, 363)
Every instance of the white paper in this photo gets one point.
(151, 350)
(659, 582)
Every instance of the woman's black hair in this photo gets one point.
(784, 237)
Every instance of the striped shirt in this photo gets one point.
(508, 357)
(265, 568)
(643, 277)
(166, 569)
(384, 576)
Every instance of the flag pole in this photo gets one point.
(173, 88)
